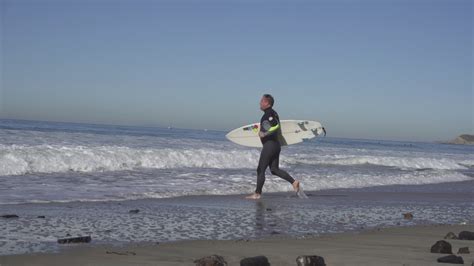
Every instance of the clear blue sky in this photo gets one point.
(366, 69)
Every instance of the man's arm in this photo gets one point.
(270, 127)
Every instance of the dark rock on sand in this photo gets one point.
(134, 211)
(9, 216)
(464, 250)
(255, 261)
(310, 261)
(408, 216)
(451, 259)
(451, 235)
(80, 239)
(442, 247)
(213, 260)
(466, 235)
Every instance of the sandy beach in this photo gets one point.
(345, 227)
(390, 246)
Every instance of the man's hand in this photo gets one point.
(261, 134)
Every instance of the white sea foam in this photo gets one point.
(208, 182)
(341, 180)
(18, 160)
(406, 161)
(22, 159)
(469, 163)
(72, 165)
(400, 162)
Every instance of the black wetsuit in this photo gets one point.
(270, 156)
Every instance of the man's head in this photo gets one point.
(266, 102)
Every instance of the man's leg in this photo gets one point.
(263, 163)
(275, 169)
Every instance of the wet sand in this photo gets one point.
(345, 226)
(389, 246)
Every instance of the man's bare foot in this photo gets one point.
(254, 196)
(296, 186)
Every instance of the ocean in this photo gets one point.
(66, 162)
(121, 185)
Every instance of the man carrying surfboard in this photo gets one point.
(270, 155)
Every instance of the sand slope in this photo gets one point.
(392, 246)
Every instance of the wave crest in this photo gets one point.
(19, 160)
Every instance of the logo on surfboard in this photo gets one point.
(254, 128)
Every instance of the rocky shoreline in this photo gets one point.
(464, 139)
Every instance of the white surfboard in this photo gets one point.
(293, 131)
